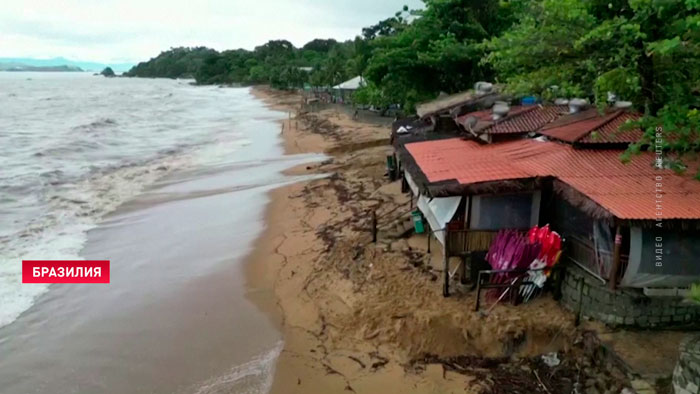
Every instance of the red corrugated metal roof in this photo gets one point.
(610, 132)
(527, 121)
(627, 190)
(520, 119)
(589, 127)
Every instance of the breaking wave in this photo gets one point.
(252, 377)
(61, 172)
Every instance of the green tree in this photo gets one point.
(417, 55)
(645, 51)
(173, 63)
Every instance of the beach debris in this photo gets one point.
(381, 361)
(505, 375)
(358, 361)
(551, 359)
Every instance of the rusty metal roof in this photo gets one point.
(610, 132)
(590, 127)
(626, 190)
(521, 119)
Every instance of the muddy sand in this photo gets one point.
(365, 318)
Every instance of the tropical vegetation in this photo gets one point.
(643, 51)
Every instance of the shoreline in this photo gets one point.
(330, 343)
(259, 264)
(329, 346)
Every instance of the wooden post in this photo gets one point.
(616, 259)
(374, 226)
(463, 271)
(446, 265)
(428, 234)
(478, 292)
(579, 307)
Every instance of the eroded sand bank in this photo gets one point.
(369, 318)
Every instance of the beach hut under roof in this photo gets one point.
(351, 84)
(342, 93)
(589, 195)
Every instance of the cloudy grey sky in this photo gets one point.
(135, 30)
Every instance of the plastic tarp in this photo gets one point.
(662, 258)
(438, 212)
(411, 183)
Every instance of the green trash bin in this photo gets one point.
(418, 222)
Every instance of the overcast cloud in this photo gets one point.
(135, 30)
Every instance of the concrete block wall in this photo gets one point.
(686, 376)
(623, 307)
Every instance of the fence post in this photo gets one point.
(478, 292)
(429, 233)
(616, 259)
(446, 265)
(374, 226)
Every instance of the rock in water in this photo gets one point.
(108, 72)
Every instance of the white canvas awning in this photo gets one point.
(438, 211)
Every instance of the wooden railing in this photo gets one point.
(466, 241)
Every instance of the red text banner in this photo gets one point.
(65, 271)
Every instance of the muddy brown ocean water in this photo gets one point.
(175, 317)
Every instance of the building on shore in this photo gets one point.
(631, 229)
(342, 93)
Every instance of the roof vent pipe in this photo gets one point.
(483, 87)
(500, 109)
(576, 104)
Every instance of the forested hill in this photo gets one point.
(322, 62)
(647, 52)
(174, 63)
(413, 55)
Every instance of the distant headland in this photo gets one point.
(58, 64)
(24, 67)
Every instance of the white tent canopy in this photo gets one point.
(438, 211)
(351, 84)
